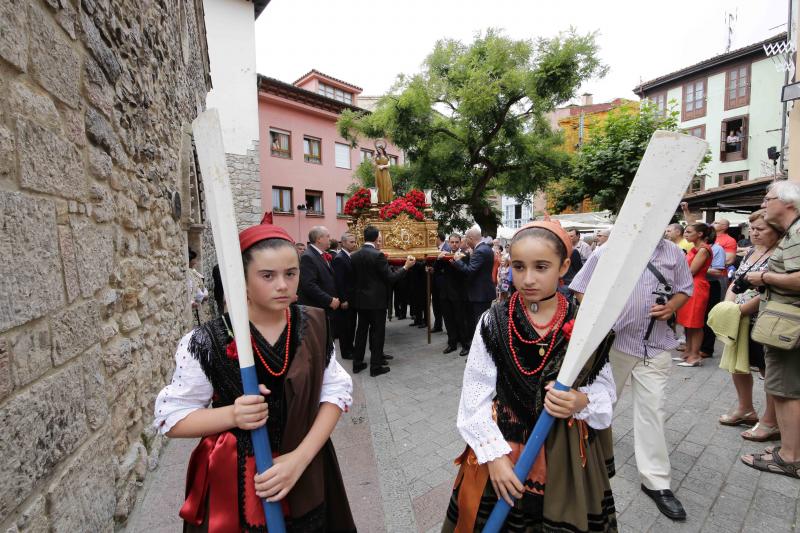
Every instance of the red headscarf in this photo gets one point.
(266, 230)
(552, 226)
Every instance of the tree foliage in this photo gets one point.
(472, 122)
(607, 164)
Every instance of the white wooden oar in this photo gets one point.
(221, 215)
(667, 168)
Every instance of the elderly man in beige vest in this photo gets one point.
(782, 282)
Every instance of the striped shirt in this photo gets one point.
(785, 260)
(631, 326)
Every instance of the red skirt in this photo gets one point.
(693, 312)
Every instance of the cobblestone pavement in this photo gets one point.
(397, 444)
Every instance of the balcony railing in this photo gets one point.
(513, 223)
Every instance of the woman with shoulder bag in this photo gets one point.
(765, 237)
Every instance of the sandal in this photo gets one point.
(746, 419)
(769, 433)
(775, 465)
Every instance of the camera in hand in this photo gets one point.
(740, 285)
(663, 293)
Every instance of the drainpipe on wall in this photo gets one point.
(786, 80)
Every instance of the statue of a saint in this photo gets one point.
(383, 181)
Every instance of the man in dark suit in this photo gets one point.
(478, 274)
(317, 287)
(436, 283)
(452, 295)
(373, 279)
(345, 316)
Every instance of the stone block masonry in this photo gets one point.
(92, 282)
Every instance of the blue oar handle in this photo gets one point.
(263, 453)
(524, 465)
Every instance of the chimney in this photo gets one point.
(586, 99)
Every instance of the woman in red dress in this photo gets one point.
(692, 315)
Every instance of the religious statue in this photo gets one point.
(383, 181)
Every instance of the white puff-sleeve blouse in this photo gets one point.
(475, 422)
(190, 389)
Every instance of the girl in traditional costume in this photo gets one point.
(304, 390)
(518, 350)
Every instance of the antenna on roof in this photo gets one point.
(730, 21)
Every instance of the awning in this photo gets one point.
(742, 197)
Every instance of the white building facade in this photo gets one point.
(733, 101)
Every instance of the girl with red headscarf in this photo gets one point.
(303, 393)
(518, 350)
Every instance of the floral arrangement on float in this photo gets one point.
(411, 204)
(360, 201)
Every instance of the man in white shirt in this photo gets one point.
(577, 243)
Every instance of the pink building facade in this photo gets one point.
(306, 167)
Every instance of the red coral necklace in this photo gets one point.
(552, 328)
(282, 371)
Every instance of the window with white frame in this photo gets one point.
(367, 155)
(342, 155)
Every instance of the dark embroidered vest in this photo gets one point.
(519, 398)
(293, 407)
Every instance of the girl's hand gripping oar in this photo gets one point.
(668, 165)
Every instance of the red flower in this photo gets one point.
(231, 351)
(566, 329)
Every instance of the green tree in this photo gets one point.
(607, 164)
(472, 122)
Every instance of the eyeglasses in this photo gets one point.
(768, 198)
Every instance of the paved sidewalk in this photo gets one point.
(396, 449)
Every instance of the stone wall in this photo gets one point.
(97, 96)
(246, 187)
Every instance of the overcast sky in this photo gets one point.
(369, 42)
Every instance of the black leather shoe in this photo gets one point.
(423, 325)
(387, 356)
(463, 352)
(358, 367)
(667, 503)
(436, 330)
(378, 371)
(449, 349)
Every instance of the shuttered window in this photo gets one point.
(733, 139)
(694, 100)
(732, 177)
(342, 155)
(737, 87)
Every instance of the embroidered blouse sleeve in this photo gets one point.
(602, 396)
(475, 422)
(337, 385)
(189, 390)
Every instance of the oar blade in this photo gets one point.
(668, 166)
